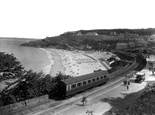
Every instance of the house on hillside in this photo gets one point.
(151, 62)
(79, 33)
(131, 44)
(121, 45)
(92, 33)
(141, 43)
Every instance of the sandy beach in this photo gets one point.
(47, 69)
(72, 63)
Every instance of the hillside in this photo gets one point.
(92, 39)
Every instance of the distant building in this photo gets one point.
(79, 34)
(92, 33)
(141, 43)
(152, 37)
(131, 44)
(121, 45)
(151, 62)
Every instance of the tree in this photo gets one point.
(29, 85)
(10, 67)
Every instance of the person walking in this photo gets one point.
(128, 82)
(84, 100)
(125, 82)
(127, 85)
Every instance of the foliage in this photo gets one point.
(10, 67)
(28, 85)
(31, 85)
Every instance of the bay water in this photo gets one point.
(31, 58)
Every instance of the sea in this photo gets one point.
(35, 59)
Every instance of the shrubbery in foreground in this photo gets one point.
(28, 85)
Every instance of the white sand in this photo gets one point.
(74, 63)
(77, 64)
(47, 69)
(57, 66)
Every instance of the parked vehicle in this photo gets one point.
(140, 77)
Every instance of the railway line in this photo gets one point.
(50, 106)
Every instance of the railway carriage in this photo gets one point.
(77, 84)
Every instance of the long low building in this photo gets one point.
(151, 62)
(121, 45)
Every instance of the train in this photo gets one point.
(71, 86)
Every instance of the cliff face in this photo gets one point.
(95, 39)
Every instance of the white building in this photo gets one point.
(121, 45)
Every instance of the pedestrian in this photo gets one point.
(127, 86)
(84, 100)
(125, 82)
(128, 82)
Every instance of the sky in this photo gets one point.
(45, 18)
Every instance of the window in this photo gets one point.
(101, 77)
(79, 84)
(73, 86)
(105, 76)
(93, 79)
(97, 78)
(84, 83)
(68, 87)
(89, 81)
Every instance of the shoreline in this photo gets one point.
(46, 70)
(57, 66)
